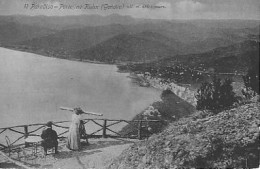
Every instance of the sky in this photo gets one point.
(169, 9)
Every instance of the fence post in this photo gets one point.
(25, 131)
(26, 135)
(140, 130)
(104, 135)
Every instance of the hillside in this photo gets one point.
(193, 39)
(69, 22)
(12, 32)
(84, 34)
(233, 58)
(170, 108)
(236, 57)
(204, 140)
(72, 40)
(81, 21)
(140, 47)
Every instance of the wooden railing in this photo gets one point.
(20, 132)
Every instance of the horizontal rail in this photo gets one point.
(114, 123)
(112, 136)
(61, 126)
(38, 124)
(32, 130)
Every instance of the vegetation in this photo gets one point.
(216, 95)
(228, 139)
(178, 52)
(140, 47)
(171, 108)
(251, 80)
(117, 39)
(170, 72)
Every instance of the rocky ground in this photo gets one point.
(170, 108)
(226, 140)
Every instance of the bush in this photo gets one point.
(251, 81)
(169, 109)
(216, 95)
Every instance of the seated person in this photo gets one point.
(49, 137)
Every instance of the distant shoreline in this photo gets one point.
(59, 56)
(54, 55)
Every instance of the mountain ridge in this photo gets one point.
(140, 47)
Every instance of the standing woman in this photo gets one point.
(74, 135)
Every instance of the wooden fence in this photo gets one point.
(20, 132)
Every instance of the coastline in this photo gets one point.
(58, 55)
(142, 80)
(185, 93)
(82, 70)
(52, 55)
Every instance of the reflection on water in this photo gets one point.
(32, 88)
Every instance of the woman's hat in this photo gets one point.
(78, 110)
(49, 124)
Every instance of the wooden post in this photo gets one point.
(140, 130)
(26, 135)
(25, 131)
(104, 129)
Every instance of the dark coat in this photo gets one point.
(49, 137)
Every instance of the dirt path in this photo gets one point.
(97, 155)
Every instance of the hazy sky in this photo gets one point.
(173, 9)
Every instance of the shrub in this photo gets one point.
(169, 109)
(216, 95)
(227, 96)
(251, 81)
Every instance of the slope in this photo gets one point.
(202, 140)
(69, 22)
(140, 47)
(237, 57)
(11, 32)
(74, 39)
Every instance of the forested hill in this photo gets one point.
(140, 47)
(68, 22)
(238, 57)
(117, 39)
(12, 32)
(209, 46)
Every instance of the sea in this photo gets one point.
(34, 87)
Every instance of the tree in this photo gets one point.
(215, 95)
(251, 80)
(227, 96)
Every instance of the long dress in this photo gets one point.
(74, 136)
